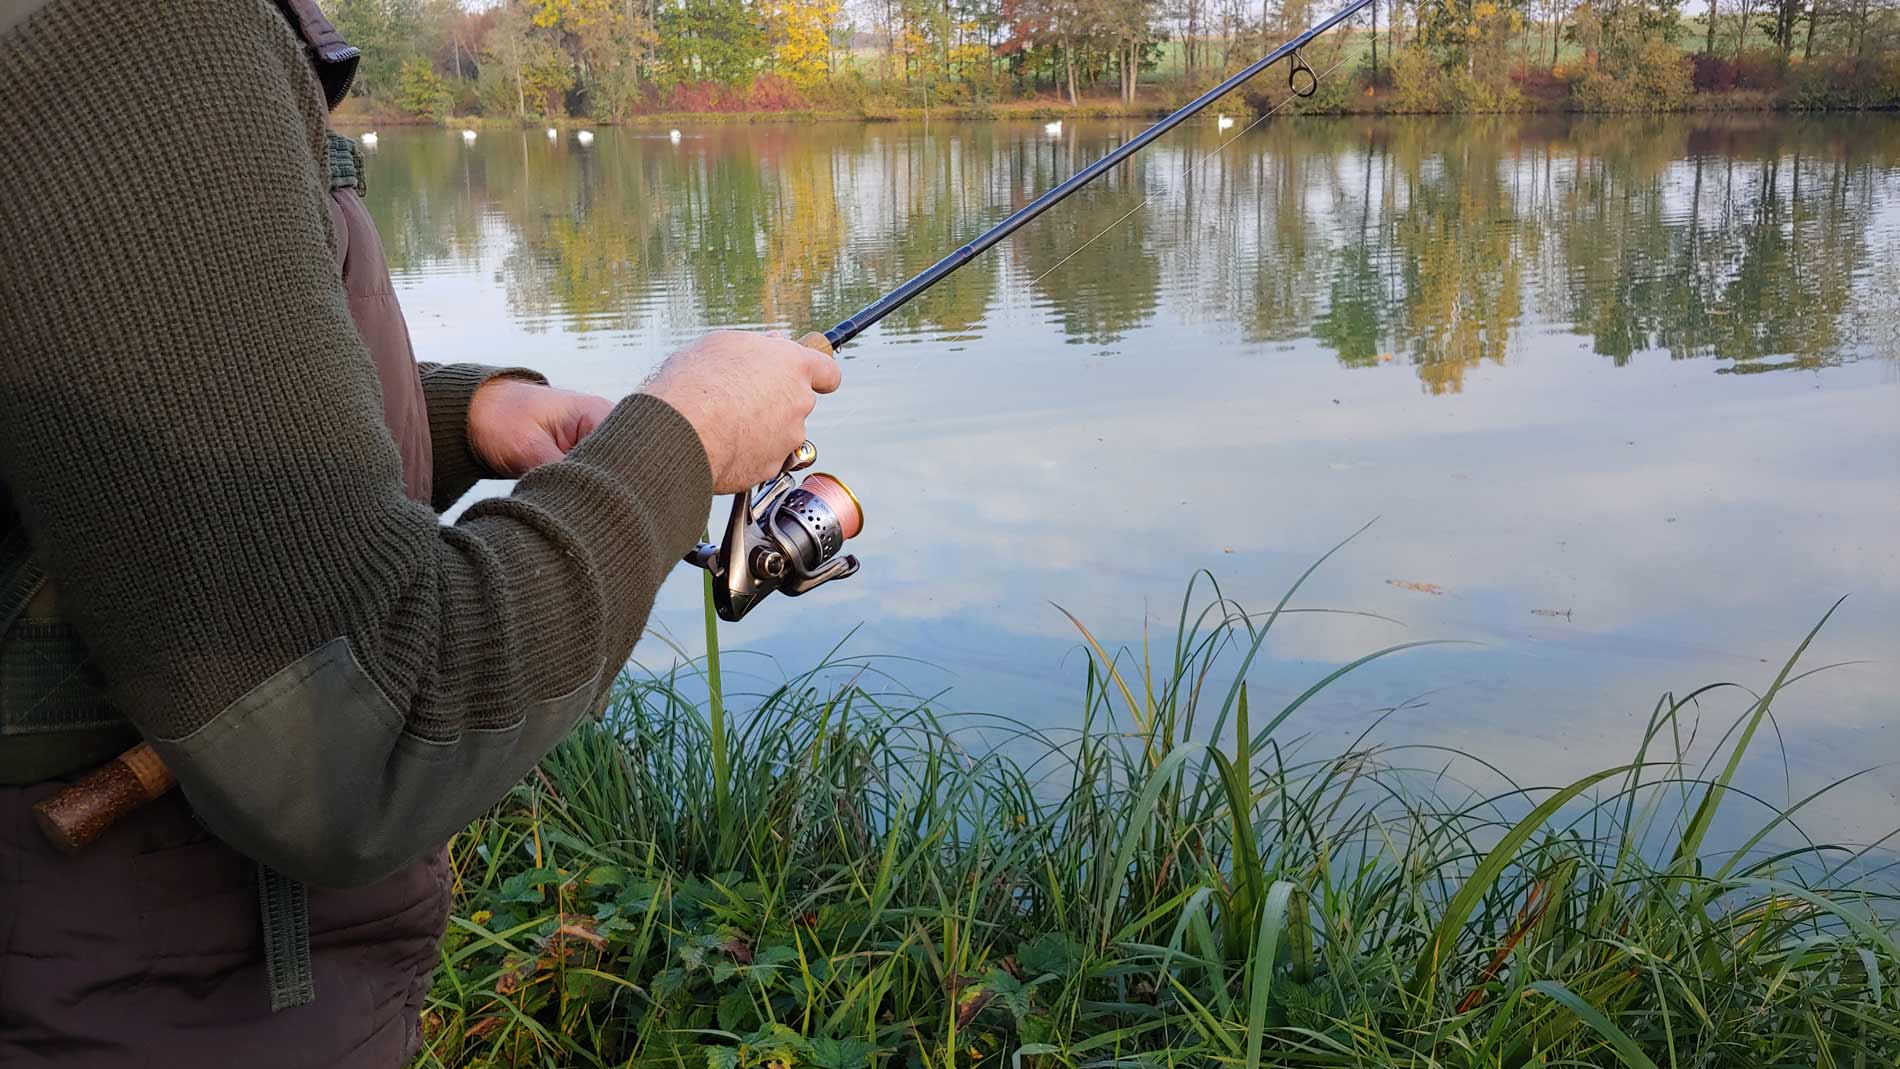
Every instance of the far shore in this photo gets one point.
(1739, 101)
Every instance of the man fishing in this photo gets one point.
(220, 471)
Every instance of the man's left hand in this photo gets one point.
(515, 425)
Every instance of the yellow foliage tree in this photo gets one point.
(801, 38)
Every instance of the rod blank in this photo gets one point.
(936, 272)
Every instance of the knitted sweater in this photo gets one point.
(191, 435)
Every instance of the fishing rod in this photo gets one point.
(785, 535)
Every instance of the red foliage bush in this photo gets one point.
(775, 92)
(1761, 68)
(1538, 79)
(701, 97)
(767, 92)
(1713, 74)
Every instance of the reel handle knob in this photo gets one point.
(803, 457)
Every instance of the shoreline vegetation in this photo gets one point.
(1544, 93)
(1042, 109)
(833, 875)
(640, 62)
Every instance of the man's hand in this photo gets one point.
(747, 395)
(514, 424)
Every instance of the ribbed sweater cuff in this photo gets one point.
(448, 389)
(651, 449)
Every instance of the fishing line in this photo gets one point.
(1202, 162)
(851, 327)
(786, 535)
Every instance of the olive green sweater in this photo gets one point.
(191, 435)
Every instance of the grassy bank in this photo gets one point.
(836, 876)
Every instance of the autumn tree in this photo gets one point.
(801, 38)
(421, 92)
(386, 31)
(1067, 26)
(710, 40)
(522, 72)
(1128, 26)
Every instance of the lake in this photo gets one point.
(1622, 394)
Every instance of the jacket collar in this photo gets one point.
(334, 58)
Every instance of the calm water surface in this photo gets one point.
(1624, 397)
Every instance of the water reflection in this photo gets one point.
(1746, 239)
(1503, 337)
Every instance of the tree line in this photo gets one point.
(611, 60)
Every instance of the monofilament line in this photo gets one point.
(1198, 164)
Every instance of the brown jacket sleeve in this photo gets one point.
(191, 432)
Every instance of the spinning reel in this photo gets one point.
(783, 535)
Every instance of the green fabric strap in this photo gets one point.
(54, 718)
(285, 905)
(346, 164)
(20, 577)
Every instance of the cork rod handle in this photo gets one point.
(86, 808)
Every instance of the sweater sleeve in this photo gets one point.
(447, 390)
(190, 431)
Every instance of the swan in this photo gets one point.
(1053, 129)
(673, 136)
(468, 136)
(369, 139)
(585, 137)
(553, 133)
(1225, 122)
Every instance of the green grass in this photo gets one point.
(834, 875)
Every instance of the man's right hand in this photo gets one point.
(747, 395)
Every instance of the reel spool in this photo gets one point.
(782, 535)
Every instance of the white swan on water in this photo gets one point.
(1053, 129)
(468, 136)
(1226, 122)
(673, 136)
(553, 133)
(585, 137)
(369, 139)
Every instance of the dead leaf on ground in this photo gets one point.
(519, 970)
(575, 926)
(1422, 588)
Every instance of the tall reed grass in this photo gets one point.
(840, 877)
